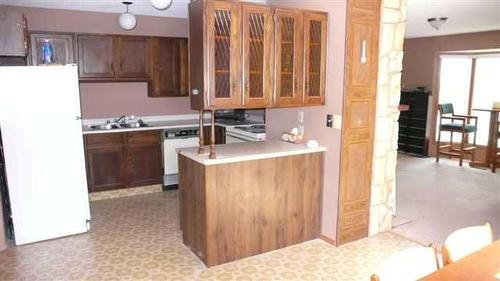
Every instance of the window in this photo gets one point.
(457, 74)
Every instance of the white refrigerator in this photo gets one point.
(43, 148)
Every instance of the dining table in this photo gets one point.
(491, 148)
(482, 265)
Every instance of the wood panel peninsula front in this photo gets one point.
(254, 198)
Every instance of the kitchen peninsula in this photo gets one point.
(253, 198)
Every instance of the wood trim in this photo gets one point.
(327, 239)
(358, 128)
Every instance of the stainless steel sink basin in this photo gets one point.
(107, 126)
(139, 124)
(111, 126)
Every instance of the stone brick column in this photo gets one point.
(383, 188)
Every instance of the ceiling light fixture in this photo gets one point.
(437, 22)
(127, 20)
(162, 4)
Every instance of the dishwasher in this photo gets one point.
(172, 140)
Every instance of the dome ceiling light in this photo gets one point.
(161, 4)
(127, 20)
(437, 22)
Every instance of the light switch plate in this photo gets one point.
(337, 122)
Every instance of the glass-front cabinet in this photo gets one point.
(288, 51)
(246, 55)
(315, 37)
(257, 51)
(224, 54)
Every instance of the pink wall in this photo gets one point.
(112, 99)
(281, 120)
(3, 242)
(420, 53)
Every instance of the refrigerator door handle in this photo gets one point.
(78, 117)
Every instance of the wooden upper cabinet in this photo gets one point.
(289, 60)
(169, 71)
(133, 57)
(257, 55)
(13, 34)
(315, 47)
(224, 41)
(95, 56)
(62, 46)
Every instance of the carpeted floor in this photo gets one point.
(434, 199)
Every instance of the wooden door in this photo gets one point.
(105, 161)
(315, 47)
(288, 49)
(169, 62)
(133, 57)
(144, 158)
(358, 119)
(143, 165)
(13, 41)
(95, 56)
(105, 168)
(224, 51)
(62, 45)
(257, 56)
(184, 66)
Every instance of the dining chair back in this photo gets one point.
(455, 123)
(408, 265)
(465, 241)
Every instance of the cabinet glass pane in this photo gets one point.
(287, 56)
(256, 55)
(314, 83)
(222, 53)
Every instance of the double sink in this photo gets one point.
(123, 122)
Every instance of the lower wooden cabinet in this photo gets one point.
(121, 160)
(105, 168)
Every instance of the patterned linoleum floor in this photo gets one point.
(138, 238)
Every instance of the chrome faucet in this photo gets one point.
(124, 119)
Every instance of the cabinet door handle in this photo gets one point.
(363, 52)
(307, 86)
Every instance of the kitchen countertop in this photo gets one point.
(237, 152)
(165, 124)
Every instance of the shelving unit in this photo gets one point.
(412, 123)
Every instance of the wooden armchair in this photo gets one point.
(462, 127)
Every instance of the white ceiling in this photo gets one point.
(179, 8)
(139, 7)
(463, 16)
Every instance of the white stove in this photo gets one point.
(236, 134)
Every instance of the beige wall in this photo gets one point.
(103, 100)
(420, 53)
(281, 120)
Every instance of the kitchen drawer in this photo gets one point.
(144, 137)
(104, 140)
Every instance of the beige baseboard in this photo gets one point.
(110, 194)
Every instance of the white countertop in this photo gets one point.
(152, 125)
(237, 152)
(158, 125)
